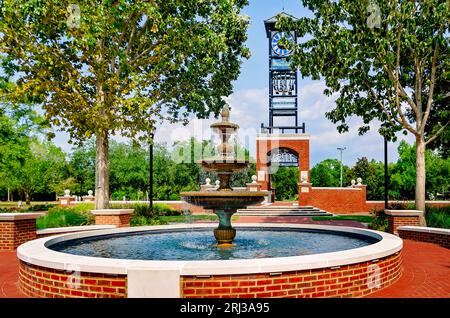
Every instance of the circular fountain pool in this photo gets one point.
(268, 260)
(200, 245)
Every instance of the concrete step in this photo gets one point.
(269, 210)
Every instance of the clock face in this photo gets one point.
(278, 48)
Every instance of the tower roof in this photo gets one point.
(270, 23)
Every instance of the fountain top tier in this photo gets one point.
(226, 162)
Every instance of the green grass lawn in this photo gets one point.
(359, 218)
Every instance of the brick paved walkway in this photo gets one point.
(426, 267)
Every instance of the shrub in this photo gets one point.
(140, 220)
(141, 209)
(438, 217)
(62, 217)
(41, 207)
(379, 222)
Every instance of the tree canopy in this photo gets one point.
(117, 66)
(385, 60)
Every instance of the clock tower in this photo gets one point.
(283, 143)
(283, 89)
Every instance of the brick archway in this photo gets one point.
(266, 143)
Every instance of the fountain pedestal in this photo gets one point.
(224, 233)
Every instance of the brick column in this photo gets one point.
(363, 188)
(16, 229)
(117, 217)
(398, 218)
(304, 193)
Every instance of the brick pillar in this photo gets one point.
(117, 217)
(304, 193)
(16, 229)
(363, 205)
(254, 187)
(398, 218)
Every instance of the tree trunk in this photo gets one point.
(27, 198)
(102, 171)
(420, 178)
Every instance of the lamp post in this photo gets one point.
(386, 175)
(150, 189)
(341, 149)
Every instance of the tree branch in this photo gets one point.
(437, 133)
(431, 87)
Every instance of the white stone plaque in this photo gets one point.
(305, 189)
(261, 175)
(304, 175)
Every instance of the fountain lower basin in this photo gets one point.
(48, 273)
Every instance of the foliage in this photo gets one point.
(82, 168)
(403, 173)
(438, 217)
(40, 207)
(117, 66)
(327, 173)
(285, 183)
(189, 218)
(140, 220)
(141, 209)
(379, 222)
(385, 61)
(372, 174)
(63, 217)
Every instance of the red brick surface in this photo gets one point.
(354, 280)
(426, 273)
(15, 233)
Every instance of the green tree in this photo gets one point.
(372, 174)
(285, 183)
(403, 174)
(18, 123)
(82, 167)
(128, 169)
(116, 66)
(43, 168)
(327, 173)
(384, 60)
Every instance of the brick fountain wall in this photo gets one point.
(354, 280)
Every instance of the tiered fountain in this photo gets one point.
(225, 201)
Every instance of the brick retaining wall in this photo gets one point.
(429, 237)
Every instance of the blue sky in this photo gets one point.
(249, 102)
